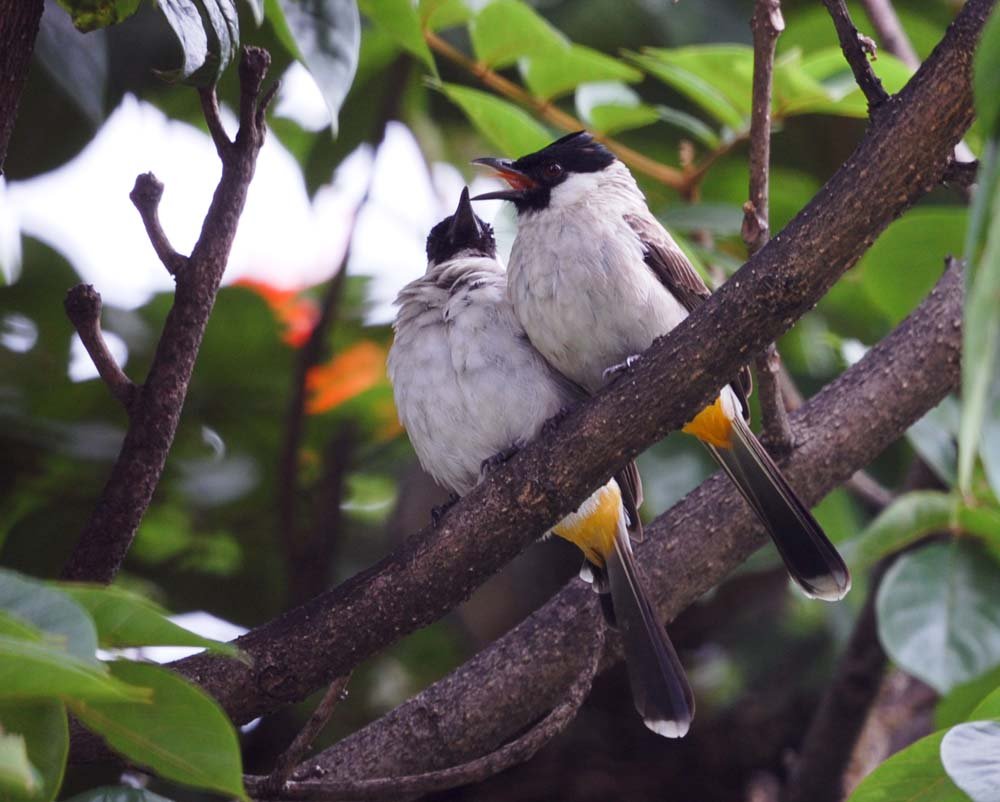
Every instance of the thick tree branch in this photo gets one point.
(108, 534)
(766, 24)
(83, 308)
(19, 21)
(517, 751)
(686, 552)
(901, 157)
(857, 48)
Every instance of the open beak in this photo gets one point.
(519, 182)
(465, 226)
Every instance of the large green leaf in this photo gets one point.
(41, 671)
(50, 611)
(611, 106)
(559, 70)
(939, 613)
(18, 778)
(117, 793)
(970, 754)
(126, 619)
(981, 331)
(183, 735)
(907, 519)
(913, 775)
(509, 128)
(986, 68)
(507, 30)
(325, 35)
(89, 15)
(959, 703)
(437, 14)
(43, 726)
(209, 35)
(987, 708)
(400, 20)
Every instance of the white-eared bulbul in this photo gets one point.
(468, 386)
(594, 279)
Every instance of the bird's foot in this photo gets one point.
(490, 464)
(621, 367)
(437, 513)
(553, 423)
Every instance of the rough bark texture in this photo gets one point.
(687, 551)
(19, 20)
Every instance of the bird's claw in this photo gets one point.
(553, 423)
(490, 463)
(437, 513)
(621, 367)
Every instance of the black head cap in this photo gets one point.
(532, 177)
(462, 232)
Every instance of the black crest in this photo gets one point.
(462, 232)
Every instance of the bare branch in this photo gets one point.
(296, 751)
(145, 196)
(83, 308)
(518, 751)
(890, 31)
(857, 48)
(210, 111)
(108, 533)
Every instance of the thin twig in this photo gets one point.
(511, 754)
(145, 196)
(296, 751)
(857, 48)
(670, 176)
(155, 412)
(767, 25)
(83, 308)
(213, 119)
(872, 493)
(890, 31)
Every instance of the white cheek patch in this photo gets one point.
(576, 188)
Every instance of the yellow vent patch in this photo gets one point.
(594, 525)
(712, 426)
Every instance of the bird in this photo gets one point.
(594, 278)
(470, 388)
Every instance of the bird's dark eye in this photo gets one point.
(553, 170)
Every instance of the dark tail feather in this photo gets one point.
(659, 688)
(811, 559)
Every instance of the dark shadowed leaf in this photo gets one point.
(125, 619)
(43, 727)
(939, 613)
(257, 9)
(325, 35)
(50, 611)
(935, 439)
(970, 753)
(185, 21)
(915, 774)
(79, 64)
(183, 735)
(89, 15)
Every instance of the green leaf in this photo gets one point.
(506, 30)
(987, 708)
(970, 754)
(399, 19)
(45, 731)
(325, 35)
(610, 107)
(183, 735)
(981, 330)
(689, 124)
(184, 19)
(686, 70)
(223, 31)
(906, 261)
(907, 519)
(721, 219)
(50, 611)
(39, 671)
(257, 9)
(16, 628)
(560, 70)
(18, 778)
(438, 14)
(935, 439)
(117, 793)
(959, 703)
(939, 613)
(505, 125)
(89, 15)
(126, 619)
(985, 69)
(914, 774)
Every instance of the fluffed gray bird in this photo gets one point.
(594, 278)
(468, 386)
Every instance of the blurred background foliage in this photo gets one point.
(671, 82)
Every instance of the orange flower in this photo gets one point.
(348, 374)
(297, 312)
